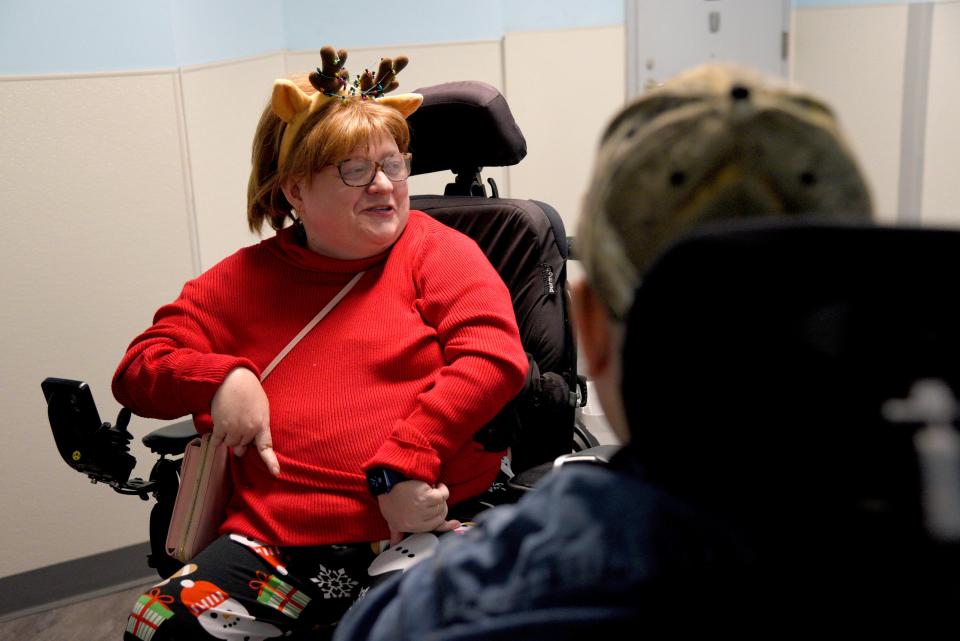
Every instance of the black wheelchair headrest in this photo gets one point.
(464, 126)
(759, 358)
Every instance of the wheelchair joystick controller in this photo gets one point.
(102, 452)
(92, 447)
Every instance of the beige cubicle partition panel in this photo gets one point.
(854, 58)
(941, 167)
(564, 87)
(222, 104)
(96, 236)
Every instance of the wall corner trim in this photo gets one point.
(913, 123)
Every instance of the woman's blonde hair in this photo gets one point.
(326, 137)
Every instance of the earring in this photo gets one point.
(299, 232)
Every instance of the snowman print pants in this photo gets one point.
(240, 589)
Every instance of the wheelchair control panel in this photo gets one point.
(92, 447)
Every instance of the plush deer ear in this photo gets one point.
(288, 100)
(405, 103)
(293, 106)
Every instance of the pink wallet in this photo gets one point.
(202, 499)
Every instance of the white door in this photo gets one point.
(664, 37)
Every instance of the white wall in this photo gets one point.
(865, 89)
(96, 236)
(221, 105)
(854, 56)
(941, 188)
(562, 98)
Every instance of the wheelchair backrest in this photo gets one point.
(760, 366)
(463, 127)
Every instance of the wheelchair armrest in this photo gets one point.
(171, 439)
(598, 455)
(528, 479)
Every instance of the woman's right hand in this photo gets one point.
(241, 415)
(415, 506)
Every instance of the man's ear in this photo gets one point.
(592, 321)
(291, 189)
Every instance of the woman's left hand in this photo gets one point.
(415, 506)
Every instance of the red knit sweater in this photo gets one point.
(419, 355)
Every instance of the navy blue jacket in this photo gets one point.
(591, 549)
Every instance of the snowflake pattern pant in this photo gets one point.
(238, 588)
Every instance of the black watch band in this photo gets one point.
(381, 480)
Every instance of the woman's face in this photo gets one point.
(352, 222)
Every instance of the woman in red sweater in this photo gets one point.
(364, 430)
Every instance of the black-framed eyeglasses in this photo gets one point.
(360, 172)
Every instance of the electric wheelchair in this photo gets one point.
(461, 127)
(798, 381)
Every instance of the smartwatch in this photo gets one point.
(381, 480)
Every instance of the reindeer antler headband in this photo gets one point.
(332, 82)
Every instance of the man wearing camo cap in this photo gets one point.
(594, 548)
(718, 142)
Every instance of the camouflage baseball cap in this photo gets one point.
(716, 142)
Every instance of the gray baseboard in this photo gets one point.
(71, 581)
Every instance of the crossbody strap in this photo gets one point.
(313, 323)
